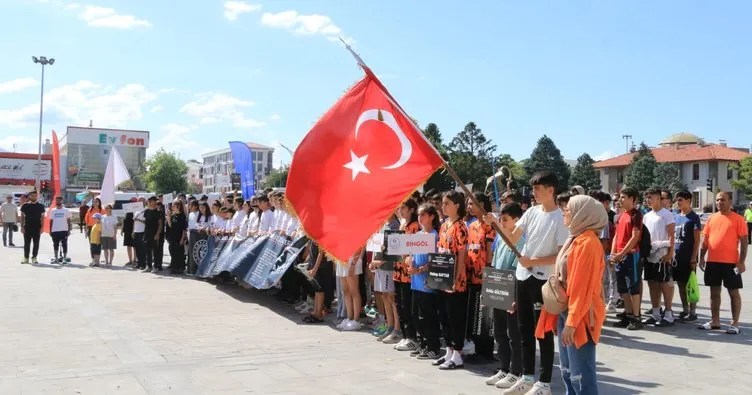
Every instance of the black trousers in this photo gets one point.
(177, 257)
(159, 253)
(478, 328)
(749, 232)
(404, 298)
(528, 296)
(31, 235)
(507, 336)
(425, 308)
(452, 314)
(140, 247)
(151, 252)
(60, 239)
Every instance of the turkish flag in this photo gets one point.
(360, 161)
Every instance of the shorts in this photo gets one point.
(726, 274)
(108, 243)
(629, 274)
(660, 272)
(682, 269)
(95, 249)
(343, 270)
(383, 281)
(325, 276)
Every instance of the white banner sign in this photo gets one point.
(167, 198)
(133, 207)
(419, 243)
(25, 169)
(375, 243)
(459, 188)
(107, 137)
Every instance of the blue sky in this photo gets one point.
(214, 71)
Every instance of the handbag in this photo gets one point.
(555, 298)
(15, 227)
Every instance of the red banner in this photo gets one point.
(55, 179)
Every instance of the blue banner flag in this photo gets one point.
(243, 159)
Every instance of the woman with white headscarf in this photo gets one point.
(573, 302)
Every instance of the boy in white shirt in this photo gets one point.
(267, 216)
(60, 229)
(658, 268)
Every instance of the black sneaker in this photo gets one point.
(649, 321)
(622, 323)
(664, 323)
(683, 315)
(622, 315)
(619, 304)
(635, 325)
(692, 317)
(415, 353)
(428, 354)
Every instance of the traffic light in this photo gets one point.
(710, 184)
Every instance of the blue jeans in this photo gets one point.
(577, 364)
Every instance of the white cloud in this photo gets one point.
(107, 17)
(313, 24)
(157, 108)
(19, 144)
(234, 8)
(219, 107)
(604, 156)
(174, 138)
(275, 117)
(18, 85)
(106, 106)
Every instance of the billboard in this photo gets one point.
(107, 137)
(25, 169)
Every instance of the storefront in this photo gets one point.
(85, 152)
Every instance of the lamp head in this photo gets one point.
(35, 59)
(52, 61)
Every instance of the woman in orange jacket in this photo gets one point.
(96, 208)
(580, 266)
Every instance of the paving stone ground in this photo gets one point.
(95, 331)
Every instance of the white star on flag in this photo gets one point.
(357, 164)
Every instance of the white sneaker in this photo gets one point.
(301, 305)
(468, 348)
(393, 338)
(352, 326)
(306, 310)
(406, 345)
(342, 324)
(496, 378)
(520, 388)
(508, 381)
(610, 309)
(540, 389)
(401, 343)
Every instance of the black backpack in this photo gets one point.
(645, 244)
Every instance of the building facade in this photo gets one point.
(21, 169)
(193, 175)
(698, 163)
(85, 152)
(218, 166)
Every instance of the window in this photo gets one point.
(695, 171)
(731, 197)
(620, 176)
(729, 172)
(260, 156)
(258, 168)
(695, 199)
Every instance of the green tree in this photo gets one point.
(546, 156)
(641, 171)
(277, 178)
(165, 173)
(584, 174)
(744, 180)
(440, 180)
(470, 154)
(666, 176)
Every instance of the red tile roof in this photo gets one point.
(680, 153)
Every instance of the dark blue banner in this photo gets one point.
(243, 159)
(213, 249)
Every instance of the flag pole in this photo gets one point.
(445, 164)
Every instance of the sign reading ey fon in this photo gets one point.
(107, 137)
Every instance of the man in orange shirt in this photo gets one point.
(725, 244)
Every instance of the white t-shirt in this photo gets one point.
(138, 222)
(59, 218)
(109, 225)
(267, 221)
(656, 223)
(218, 222)
(253, 222)
(10, 212)
(545, 233)
(192, 221)
(237, 219)
(291, 225)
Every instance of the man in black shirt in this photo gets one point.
(32, 213)
(153, 227)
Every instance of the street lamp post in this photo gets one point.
(44, 62)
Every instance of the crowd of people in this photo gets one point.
(576, 256)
